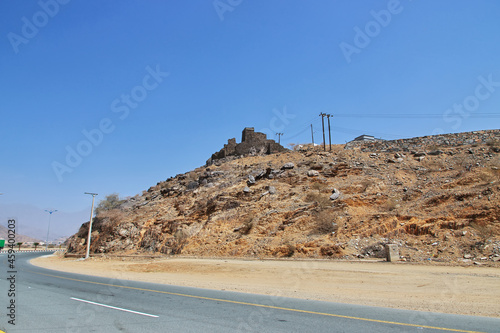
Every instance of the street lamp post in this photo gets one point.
(48, 229)
(90, 223)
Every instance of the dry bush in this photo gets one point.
(180, 240)
(493, 143)
(324, 222)
(489, 175)
(291, 248)
(484, 230)
(332, 250)
(434, 164)
(322, 200)
(365, 184)
(110, 202)
(391, 204)
(320, 187)
(248, 224)
(107, 220)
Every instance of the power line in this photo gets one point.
(411, 115)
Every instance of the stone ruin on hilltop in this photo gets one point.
(252, 143)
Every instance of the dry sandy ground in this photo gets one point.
(450, 289)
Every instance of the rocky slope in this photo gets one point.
(437, 201)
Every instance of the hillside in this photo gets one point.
(19, 238)
(436, 197)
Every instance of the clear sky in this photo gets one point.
(115, 96)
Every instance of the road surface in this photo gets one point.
(52, 301)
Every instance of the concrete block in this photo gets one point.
(392, 252)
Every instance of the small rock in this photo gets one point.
(251, 180)
(246, 189)
(312, 173)
(288, 166)
(436, 152)
(272, 190)
(335, 194)
(467, 256)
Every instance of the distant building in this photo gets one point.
(365, 137)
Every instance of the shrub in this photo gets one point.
(322, 200)
(291, 248)
(109, 219)
(248, 225)
(332, 250)
(319, 186)
(324, 222)
(111, 201)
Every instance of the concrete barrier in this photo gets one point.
(392, 252)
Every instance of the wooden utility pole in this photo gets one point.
(323, 126)
(312, 134)
(279, 137)
(329, 131)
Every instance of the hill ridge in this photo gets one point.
(436, 200)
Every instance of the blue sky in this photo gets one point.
(158, 86)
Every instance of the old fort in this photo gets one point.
(252, 143)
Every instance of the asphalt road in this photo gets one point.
(52, 301)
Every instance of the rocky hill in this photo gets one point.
(436, 197)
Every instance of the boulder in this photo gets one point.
(335, 194)
(435, 152)
(192, 185)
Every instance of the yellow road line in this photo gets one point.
(263, 306)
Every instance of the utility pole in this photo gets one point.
(47, 239)
(90, 223)
(329, 131)
(323, 126)
(312, 134)
(279, 137)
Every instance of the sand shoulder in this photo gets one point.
(449, 289)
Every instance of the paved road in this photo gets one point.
(51, 301)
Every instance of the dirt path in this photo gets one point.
(449, 289)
